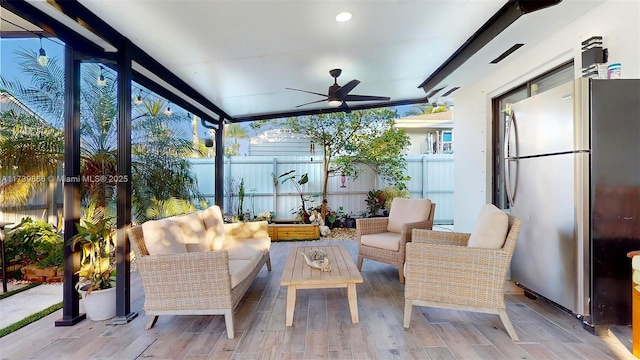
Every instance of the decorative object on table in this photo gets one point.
(317, 259)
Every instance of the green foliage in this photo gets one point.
(420, 109)
(298, 181)
(160, 209)
(391, 192)
(29, 146)
(95, 240)
(380, 149)
(35, 242)
(232, 133)
(241, 200)
(360, 137)
(375, 201)
(30, 151)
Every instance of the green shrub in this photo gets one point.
(34, 242)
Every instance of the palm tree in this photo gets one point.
(235, 132)
(159, 169)
(30, 152)
(420, 109)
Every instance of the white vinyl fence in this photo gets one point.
(431, 177)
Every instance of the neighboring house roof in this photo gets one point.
(281, 142)
(441, 120)
(9, 102)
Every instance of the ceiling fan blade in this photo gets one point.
(345, 107)
(310, 92)
(341, 93)
(366, 98)
(313, 102)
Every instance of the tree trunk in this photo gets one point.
(325, 163)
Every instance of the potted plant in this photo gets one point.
(97, 271)
(298, 181)
(350, 221)
(375, 202)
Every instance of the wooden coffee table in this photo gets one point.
(298, 275)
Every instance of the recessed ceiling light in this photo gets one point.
(343, 16)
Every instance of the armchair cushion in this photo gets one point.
(163, 237)
(491, 228)
(407, 211)
(385, 240)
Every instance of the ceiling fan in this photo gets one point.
(338, 96)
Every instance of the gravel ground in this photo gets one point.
(340, 234)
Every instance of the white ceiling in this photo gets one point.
(242, 55)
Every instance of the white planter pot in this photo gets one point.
(100, 304)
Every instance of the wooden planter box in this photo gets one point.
(279, 232)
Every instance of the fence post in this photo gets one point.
(425, 175)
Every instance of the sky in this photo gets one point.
(10, 70)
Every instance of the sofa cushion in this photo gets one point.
(163, 237)
(246, 230)
(245, 253)
(194, 233)
(405, 211)
(491, 228)
(214, 225)
(239, 270)
(386, 240)
(262, 244)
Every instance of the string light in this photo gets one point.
(168, 112)
(43, 60)
(101, 80)
(138, 99)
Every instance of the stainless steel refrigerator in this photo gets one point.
(573, 178)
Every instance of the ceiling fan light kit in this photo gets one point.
(337, 96)
(343, 16)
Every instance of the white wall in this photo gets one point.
(617, 21)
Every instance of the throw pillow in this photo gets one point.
(214, 224)
(491, 228)
(163, 237)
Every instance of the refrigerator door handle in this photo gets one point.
(508, 159)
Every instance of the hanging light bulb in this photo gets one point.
(43, 60)
(168, 112)
(101, 80)
(138, 99)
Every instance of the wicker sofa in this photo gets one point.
(195, 264)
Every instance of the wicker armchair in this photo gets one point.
(443, 272)
(384, 239)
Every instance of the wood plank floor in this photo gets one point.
(322, 328)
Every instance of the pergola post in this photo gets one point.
(123, 189)
(219, 159)
(70, 297)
